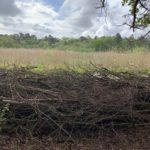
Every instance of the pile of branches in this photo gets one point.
(66, 102)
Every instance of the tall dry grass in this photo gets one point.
(57, 58)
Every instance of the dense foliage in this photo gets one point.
(81, 44)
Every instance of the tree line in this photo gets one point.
(105, 43)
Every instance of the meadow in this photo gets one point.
(49, 59)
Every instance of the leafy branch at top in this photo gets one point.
(139, 12)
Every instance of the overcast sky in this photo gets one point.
(63, 18)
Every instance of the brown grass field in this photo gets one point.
(57, 58)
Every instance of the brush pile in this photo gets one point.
(66, 103)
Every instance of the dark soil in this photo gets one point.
(93, 110)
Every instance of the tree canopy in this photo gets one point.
(139, 15)
(83, 44)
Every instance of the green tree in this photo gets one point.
(118, 38)
(139, 11)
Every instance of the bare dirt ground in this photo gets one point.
(67, 110)
(135, 139)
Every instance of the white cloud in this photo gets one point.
(74, 18)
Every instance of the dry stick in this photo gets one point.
(60, 127)
(24, 103)
(39, 90)
(85, 102)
